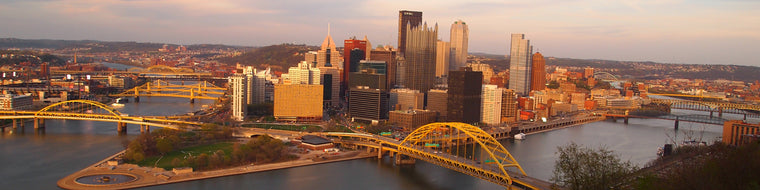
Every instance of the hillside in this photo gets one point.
(639, 69)
(278, 57)
(93, 46)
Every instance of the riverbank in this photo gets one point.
(149, 176)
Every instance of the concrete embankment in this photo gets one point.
(148, 176)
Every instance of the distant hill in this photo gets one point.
(642, 69)
(278, 57)
(94, 46)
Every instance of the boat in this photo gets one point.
(117, 105)
(520, 136)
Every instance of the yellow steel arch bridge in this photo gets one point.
(457, 146)
(161, 88)
(92, 111)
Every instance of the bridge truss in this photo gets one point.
(161, 88)
(717, 106)
(457, 146)
(93, 111)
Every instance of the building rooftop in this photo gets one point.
(315, 140)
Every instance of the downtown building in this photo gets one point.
(328, 55)
(420, 57)
(389, 57)
(464, 95)
(407, 99)
(367, 105)
(413, 19)
(437, 100)
(459, 44)
(353, 51)
(538, 72)
(520, 64)
(238, 84)
(255, 85)
(442, 56)
(509, 106)
(490, 112)
(298, 102)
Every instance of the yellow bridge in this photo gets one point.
(160, 88)
(152, 70)
(478, 154)
(711, 106)
(92, 111)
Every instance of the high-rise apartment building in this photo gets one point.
(304, 73)
(459, 38)
(420, 57)
(255, 84)
(411, 18)
(490, 112)
(508, 106)
(464, 95)
(239, 100)
(520, 64)
(442, 55)
(538, 72)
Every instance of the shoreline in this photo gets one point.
(149, 176)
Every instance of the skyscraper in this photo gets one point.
(239, 100)
(420, 57)
(255, 83)
(459, 35)
(442, 56)
(464, 95)
(328, 54)
(538, 72)
(330, 80)
(520, 64)
(508, 106)
(412, 18)
(389, 57)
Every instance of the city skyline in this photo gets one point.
(625, 30)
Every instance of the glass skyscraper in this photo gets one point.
(520, 64)
(458, 40)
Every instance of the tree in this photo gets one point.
(164, 146)
(586, 168)
(553, 84)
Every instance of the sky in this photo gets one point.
(667, 31)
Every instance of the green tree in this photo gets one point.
(586, 168)
(164, 146)
(553, 84)
(138, 157)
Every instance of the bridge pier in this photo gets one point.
(720, 112)
(121, 128)
(39, 124)
(14, 124)
(380, 151)
(625, 120)
(711, 114)
(137, 99)
(401, 161)
(745, 117)
(144, 128)
(192, 101)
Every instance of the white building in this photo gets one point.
(238, 84)
(304, 73)
(490, 109)
(15, 102)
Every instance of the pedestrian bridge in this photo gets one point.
(92, 111)
(478, 154)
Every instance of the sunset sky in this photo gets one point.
(669, 31)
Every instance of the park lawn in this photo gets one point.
(311, 128)
(166, 161)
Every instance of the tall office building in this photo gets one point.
(411, 18)
(239, 100)
(389, 57)
(508, 106)
(538, 72)
(353, 51)
(367, 48)
(459, 35)
(520, 64)
(420, 57)
(442, 56)
(485, 68)
(368, 104)
(328, 55)
(255, 85)
(330, 80)
(304, 73)
(490, 112)
(464, 95)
